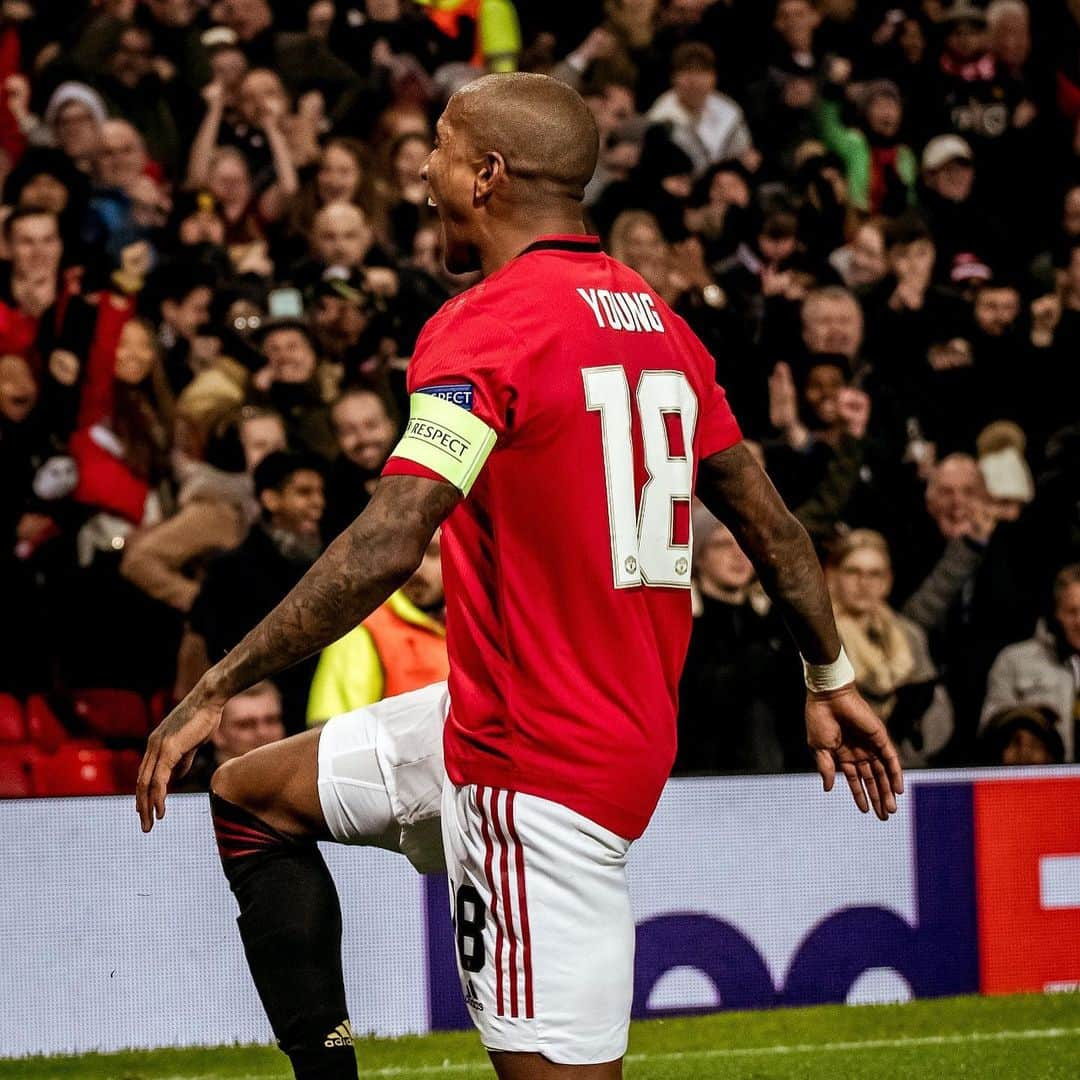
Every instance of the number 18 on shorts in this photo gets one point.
(544, 933)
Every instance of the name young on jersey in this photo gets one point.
(613, 310)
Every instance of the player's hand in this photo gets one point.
(170, 750)
(846, 734)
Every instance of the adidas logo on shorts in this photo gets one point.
(471, 999)
(340, 1036)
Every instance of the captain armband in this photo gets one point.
(446, 439)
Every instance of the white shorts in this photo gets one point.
(381, 775)
(545, 937)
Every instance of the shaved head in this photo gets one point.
(512, 156)
(542, 128)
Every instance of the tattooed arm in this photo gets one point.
(841, 728)
(736, 489)
(358, 571)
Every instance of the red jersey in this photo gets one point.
(567, 567)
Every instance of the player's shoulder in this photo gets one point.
(465, 339)
(477, 305)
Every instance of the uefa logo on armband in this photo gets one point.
(459, 394)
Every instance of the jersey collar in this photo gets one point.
(586, 245)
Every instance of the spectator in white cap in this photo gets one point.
(1008, 479)
(72, 121)
(948, 165)
(965, 233)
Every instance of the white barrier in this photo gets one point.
(747, 892)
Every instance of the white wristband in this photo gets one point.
(821, 678)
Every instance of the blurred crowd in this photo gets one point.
(216, 255)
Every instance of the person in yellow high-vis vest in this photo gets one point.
(401, 646)
(498, 32)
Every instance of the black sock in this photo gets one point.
(290, 923)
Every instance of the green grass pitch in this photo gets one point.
(1030, 1037)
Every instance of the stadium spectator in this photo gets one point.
(183, 296)
(1045, 670)
(967, 233)
(977, 595)
(705, 124)
(399, 647)
(861, 263)
(735, 666)
(72, 122)
(216, 507)
(366, 428)
(243, 585)
(121, 440)
(290, 385)
(252, 719)
(401, 193)
(340, 175)
(893, 668)
(134, 90)
(303, 62)
(30, 283)
(1005, 471)
(1022, 735)
(782, 103)
(45, 179)
(881, 170)
(130, 196)
(249, 201)
(342, 237)
(344, 247)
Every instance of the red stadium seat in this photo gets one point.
(112, 714)
(16, 771)
(12, 720)
(46, 732)
(76, 770)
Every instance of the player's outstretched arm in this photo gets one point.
(357, 572)
(842, 729)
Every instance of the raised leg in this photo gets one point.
(267, 818)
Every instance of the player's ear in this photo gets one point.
(492, 171)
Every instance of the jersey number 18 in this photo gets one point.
(644, 549)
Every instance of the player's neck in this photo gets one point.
(510, 241)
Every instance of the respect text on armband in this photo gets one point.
(441, 438)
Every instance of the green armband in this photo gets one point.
(446, 439)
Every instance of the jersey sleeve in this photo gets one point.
(717, 429)
(462, 399)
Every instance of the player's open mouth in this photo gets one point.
(431, 201)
